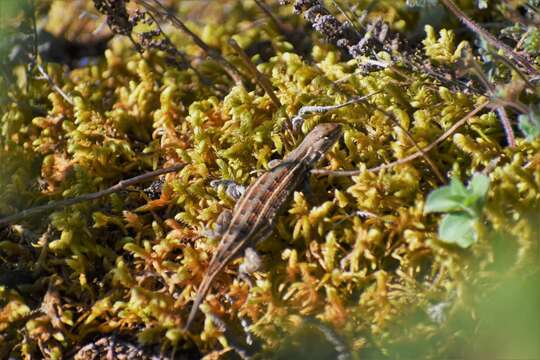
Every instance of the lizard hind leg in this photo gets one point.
(223, 221)
(252, 262)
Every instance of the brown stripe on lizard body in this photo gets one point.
(280, 195)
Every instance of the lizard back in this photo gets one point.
(255, 212)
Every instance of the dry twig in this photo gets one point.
(260, 78)
(87, 197)
(275, 20)
(473, 26)
(406, 159)
(53, 85)
(212, 52)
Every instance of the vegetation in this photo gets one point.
(464, 205)
(431, 95)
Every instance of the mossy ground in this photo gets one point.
(357, 255)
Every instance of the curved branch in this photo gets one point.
(87, 197)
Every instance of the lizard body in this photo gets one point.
(254, 214)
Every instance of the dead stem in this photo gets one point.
(492, 91)
(417, 154)
(211, 52)
(260, 78)
(87, 197)
(53, 85)
(275, 20)
(472, 25)
(505, 121)
(35, 58)
(516, 70)
(394, 121)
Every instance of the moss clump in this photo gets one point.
(358, 260)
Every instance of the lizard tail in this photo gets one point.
(201, 294)
(216, 265)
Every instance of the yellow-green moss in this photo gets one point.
(360, 256)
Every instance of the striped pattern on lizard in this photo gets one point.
(254, 214)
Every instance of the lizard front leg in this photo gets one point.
(232, 189)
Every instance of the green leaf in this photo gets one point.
(479, 185)
(442, 200)
(456, 197)
(478, 188)
(529, 124)
(458, 189)
(458, 229)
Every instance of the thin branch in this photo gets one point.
(168, 40)
(277, 23)
(514, 67)
(178, 52)
(87, 197)
(505, 121)
(53, 85)
(404, 160)
(516, 104)
(503, 115)
(211, 52)
(340, 9)
(35, 49)
(261, 79)
(35, 57)
(394, 121)
(473, 26)
(319, 109)
(35, 46)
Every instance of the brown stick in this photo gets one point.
(268, 12)
(260, 78)
(53, 84)
(505, 121)
(473, 26)
(87, 197)
(394, 121)
(417, 154)
(492, 91)
(210, 51)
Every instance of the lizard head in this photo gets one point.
(323, 136)
(316, 143)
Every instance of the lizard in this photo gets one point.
(253, 216)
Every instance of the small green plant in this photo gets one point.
(529, 124)
(463, 206)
